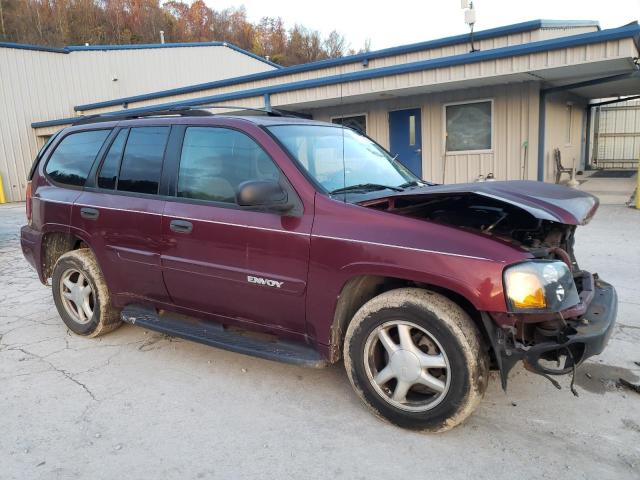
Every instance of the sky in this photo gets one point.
(397, 22)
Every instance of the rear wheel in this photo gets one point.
(81, 294)
(416, 359)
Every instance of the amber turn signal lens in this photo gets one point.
(525, 290)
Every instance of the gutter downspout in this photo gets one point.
(541, 131)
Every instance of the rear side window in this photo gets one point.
(72, 159)
(108, 176)
(142, 161)
(215, 161)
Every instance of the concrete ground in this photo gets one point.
(135, 404)
(610, 191)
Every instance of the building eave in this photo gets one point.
(357, 58)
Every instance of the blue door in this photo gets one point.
(405, 138)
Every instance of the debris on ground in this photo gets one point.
(629, 385)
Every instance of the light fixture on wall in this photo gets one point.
(469, 19)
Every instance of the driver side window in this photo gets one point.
(215, 160)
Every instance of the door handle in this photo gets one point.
(89, 213)
(180, 226)
(418, 150)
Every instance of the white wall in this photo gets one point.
(570, 141)
(515, 120)
(37, 85)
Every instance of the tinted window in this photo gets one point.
(108, 175)
(72, 159)
(142, 160)
(216, 160)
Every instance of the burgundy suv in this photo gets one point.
(306, 242)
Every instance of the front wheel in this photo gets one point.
(416, 359)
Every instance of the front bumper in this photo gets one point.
(583, 337)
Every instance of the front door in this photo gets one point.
(241, 265)
(405, 138)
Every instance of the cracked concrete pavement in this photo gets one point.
(136, 404)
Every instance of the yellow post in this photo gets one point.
(2, 197)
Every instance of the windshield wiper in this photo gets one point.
(365, 187)
(412, 183)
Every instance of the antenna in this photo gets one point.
(469, 19)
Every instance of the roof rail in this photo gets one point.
(184, 111)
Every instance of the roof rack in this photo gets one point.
(183, 111)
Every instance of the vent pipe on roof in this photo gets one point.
(161, 36)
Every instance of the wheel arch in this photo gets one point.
(359, 289)
(56, 243)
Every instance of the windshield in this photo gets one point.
(339, 158)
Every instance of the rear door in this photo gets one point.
(120, 213)
(244, 266)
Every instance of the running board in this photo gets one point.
(215, 335)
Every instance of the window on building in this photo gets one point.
(142, 160)
(73, 158)
(356, 122)
(568, 124)
(468, 126)
(108, 176)
(215, 161)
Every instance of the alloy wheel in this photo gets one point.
(77, 296)
(407, 366)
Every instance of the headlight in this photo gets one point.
(540, 286)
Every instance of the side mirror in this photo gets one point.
(267, 194)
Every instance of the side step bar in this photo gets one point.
(215, 335)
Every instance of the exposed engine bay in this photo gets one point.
(478, 213)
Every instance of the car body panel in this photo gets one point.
(126, 239)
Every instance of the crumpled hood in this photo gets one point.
(545, 201)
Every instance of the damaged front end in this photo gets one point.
(555, 343)
(557, 314)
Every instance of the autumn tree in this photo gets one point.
(58, 23)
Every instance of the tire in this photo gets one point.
(429, 343)
(74, 270)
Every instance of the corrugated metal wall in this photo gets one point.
(515, 120)
(618, 135)
(564, 130)
(36, 85)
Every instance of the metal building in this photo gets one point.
(449, 114)
(616, 130)
(39, 82)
